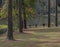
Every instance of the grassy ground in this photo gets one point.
(44, 37)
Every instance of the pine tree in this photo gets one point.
(24, 15)
(20, 16)
(10, 24)
(56, 18)
(48, 13)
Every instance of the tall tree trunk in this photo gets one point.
(0, 3)
(10, 24)
(0, 7)
(24, 15)
(56, 18)
(48, 13)
(20, 16)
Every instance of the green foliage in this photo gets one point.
(3, 29)
(4, 9)
(28, 4)
(3, 26)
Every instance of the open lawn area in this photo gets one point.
(47, 37)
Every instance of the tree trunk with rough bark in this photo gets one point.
(24, 15)
(48, 13)
(10, 24)
(56, 18)
(20, 16)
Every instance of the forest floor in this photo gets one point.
(40, 37)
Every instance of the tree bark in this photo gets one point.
(1, 1)
(0, 7)
(24, 15)
(20, 16)
(56, 18)
(48, 13)
(10, 24)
